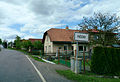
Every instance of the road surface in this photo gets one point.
(16, 67)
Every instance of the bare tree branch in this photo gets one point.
(105, 24)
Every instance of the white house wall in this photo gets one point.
(53, 47)
(48, 44)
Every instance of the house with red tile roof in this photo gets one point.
(62, 39)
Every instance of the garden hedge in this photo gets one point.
(105, 60)
(37, 52)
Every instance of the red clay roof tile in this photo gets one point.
(66, 35)
(33, 40)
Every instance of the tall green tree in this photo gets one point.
(17, 42)
(10, 44)
(107, 26)
(38, 45)
(0, 41)
(27, 44)
(4, 43)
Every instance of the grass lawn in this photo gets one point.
(84, 77)
(36, 58)
(55, 61)
(25, 52)
(86, 63)
(18, 50)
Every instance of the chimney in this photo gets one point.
(67, 28)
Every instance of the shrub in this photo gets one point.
(105, 60)
(37, 52)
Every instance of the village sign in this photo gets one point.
(84, 38)
(80, 36)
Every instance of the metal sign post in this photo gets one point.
(80, 37)
(76, 58)
(84, 58)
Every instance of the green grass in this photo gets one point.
(86, 63)
(84, 77)
(25, 52)
(18, 50)
(36, 58)
(55, 61)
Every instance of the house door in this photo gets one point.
(65, 48)
(72, 50)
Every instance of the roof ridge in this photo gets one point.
(63, 29)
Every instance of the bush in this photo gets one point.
(106, 60)
(37, 52)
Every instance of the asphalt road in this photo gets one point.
(15, 67)
(49, 71)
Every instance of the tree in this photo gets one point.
(0, 41)
(10, 44)
(27, 44)
(4, 44)
(17, 42)
(106, 24)
(38, 45)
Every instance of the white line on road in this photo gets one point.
(40, 75)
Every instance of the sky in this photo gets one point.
(31, 18)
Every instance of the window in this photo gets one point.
(65, 47)
(95, 37)
(59, 47)
(49, 48)
(80, 48)
(72, 47)
(46, 48)
(47, 38)
(85, 48)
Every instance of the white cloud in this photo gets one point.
(9, 34)
(37, 16)
(39, 29)
(104, 6)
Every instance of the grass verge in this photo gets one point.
(55, 61)
(36, 58)
(25, 52)
(84, 78)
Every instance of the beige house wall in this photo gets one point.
(48, 45)
(57, 46)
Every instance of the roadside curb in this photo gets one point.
(45, 60)
(48, 61)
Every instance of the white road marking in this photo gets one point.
(40, 75)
